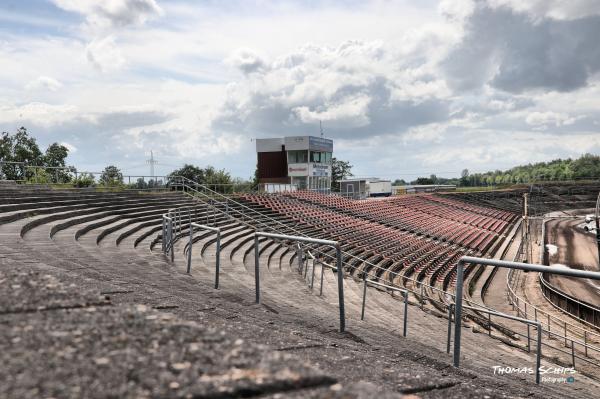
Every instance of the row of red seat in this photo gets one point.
(423, 215)
(385, 246)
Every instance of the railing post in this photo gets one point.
(458, 311)
(528, 338)
(549, 336)
(538, 357)
(299, 256)
(449, 328)
(189, 257)
(340, 278)
(566, 334)
(585, 342)
(312, 279)
(164, 236)
(573, 352)
(489, 324)
(364, 298)
(218, 259)
(321, 287)
(405, 313)
(256, 270)
(171, 240)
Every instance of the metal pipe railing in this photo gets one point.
(340, 270)
(506, 264)
(218, 253)
(388, 287)
(537, 324)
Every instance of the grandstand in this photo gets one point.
(82, 265)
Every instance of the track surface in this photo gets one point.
(576, 249)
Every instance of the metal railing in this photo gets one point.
(387, 287)
(566, 303)
(510, 265)
(218, 253)
(537, 324)
(340, 268)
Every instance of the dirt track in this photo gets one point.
(575, 249)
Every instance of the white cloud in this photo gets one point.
(558, 9)
(44, 83)
(45, 115)
(104, 54)
(247, 60)
(356, 88)
(112, 13)
(545, 119)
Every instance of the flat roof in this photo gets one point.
(369, 179)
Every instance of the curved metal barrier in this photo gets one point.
(584, 312)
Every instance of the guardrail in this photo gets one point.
(510, 265)
(340, 270)
(537, 324)
(167, 243)
(566, 303)
(387, 287)
(218, 253)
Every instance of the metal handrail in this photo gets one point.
(537, 324)
(218, 254)
(505, 264)
(516, 301)
(378, 284)
(308, 240)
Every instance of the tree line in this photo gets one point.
(585, 167)
(21, 159)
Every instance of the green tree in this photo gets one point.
(111, 176)
(84, 180)
(339, 170)
(423, 180)
(191, 172)
(216, 179)
(464, 177)
(55, 157)
(19, 147)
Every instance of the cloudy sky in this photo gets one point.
(403, 87)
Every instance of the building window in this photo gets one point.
(300, 156)
(320, 157)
